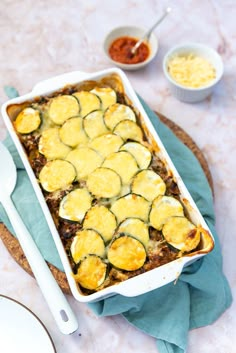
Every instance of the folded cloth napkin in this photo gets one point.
(201, 293)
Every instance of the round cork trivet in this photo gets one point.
(14, 247)
(188, 141)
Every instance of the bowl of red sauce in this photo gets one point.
(121, 40)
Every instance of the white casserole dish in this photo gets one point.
(144, 282)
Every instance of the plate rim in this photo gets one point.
(34, 315)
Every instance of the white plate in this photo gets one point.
(21, 331)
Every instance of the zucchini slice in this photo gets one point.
(116, 113)
(181, 233)
(126, 253)
(102, 220)
(62, 108)
(136, 228)
(51, 146)
(74, 205)
(106, 94)
(128, 130)
(94, 124)
(104, 182)
(57, 175)
(141, 153)
(72, 133)
(87, 241)
(148, 184)
(87, 101)
(91, 272)
(27, 121)
(129, 206)
(123, 163)
(162, 208)
(85, 161)
(106, 144)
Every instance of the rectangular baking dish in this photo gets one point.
(144, 282)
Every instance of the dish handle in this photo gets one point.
(150, 281)
(59, 81)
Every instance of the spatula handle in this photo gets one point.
(57, 302)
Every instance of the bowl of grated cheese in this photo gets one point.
(192, 70)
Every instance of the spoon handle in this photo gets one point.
(57, 302)
(148, 33)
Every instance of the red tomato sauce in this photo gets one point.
(120, 50)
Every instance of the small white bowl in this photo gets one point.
(188, 94)
(134, 32)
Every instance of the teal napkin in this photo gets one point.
(200, 295)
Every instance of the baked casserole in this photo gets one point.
(114, 199)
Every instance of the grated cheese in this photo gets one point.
(191, 71)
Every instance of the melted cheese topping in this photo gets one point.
(75, 204)
(91, 272)
(87, 101)
(116, 113)
(94, 124)
(63, 108)
(123, 163)
(104, 182)
(164, 207)
(148, 184)
(72, 133)
(191, 70)
(85, 161)
(128, 130)
(87, 241)
(106, 144)
(57, 175)
(27, 121)
(135, 227)
(141, 153)
(127, 253)
(102, 220)
(51, 146)
(106, 94)
(181, 233)
(131, 206)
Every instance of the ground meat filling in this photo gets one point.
(155, 234)
(158, 166)
(36, 159)
(30, 142)
(161, 257)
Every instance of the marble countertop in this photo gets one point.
(40, 39)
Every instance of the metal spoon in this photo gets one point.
(60, 308)
(148, 33)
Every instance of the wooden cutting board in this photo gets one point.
(13, 245)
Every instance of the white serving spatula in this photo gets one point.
(57, 302)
